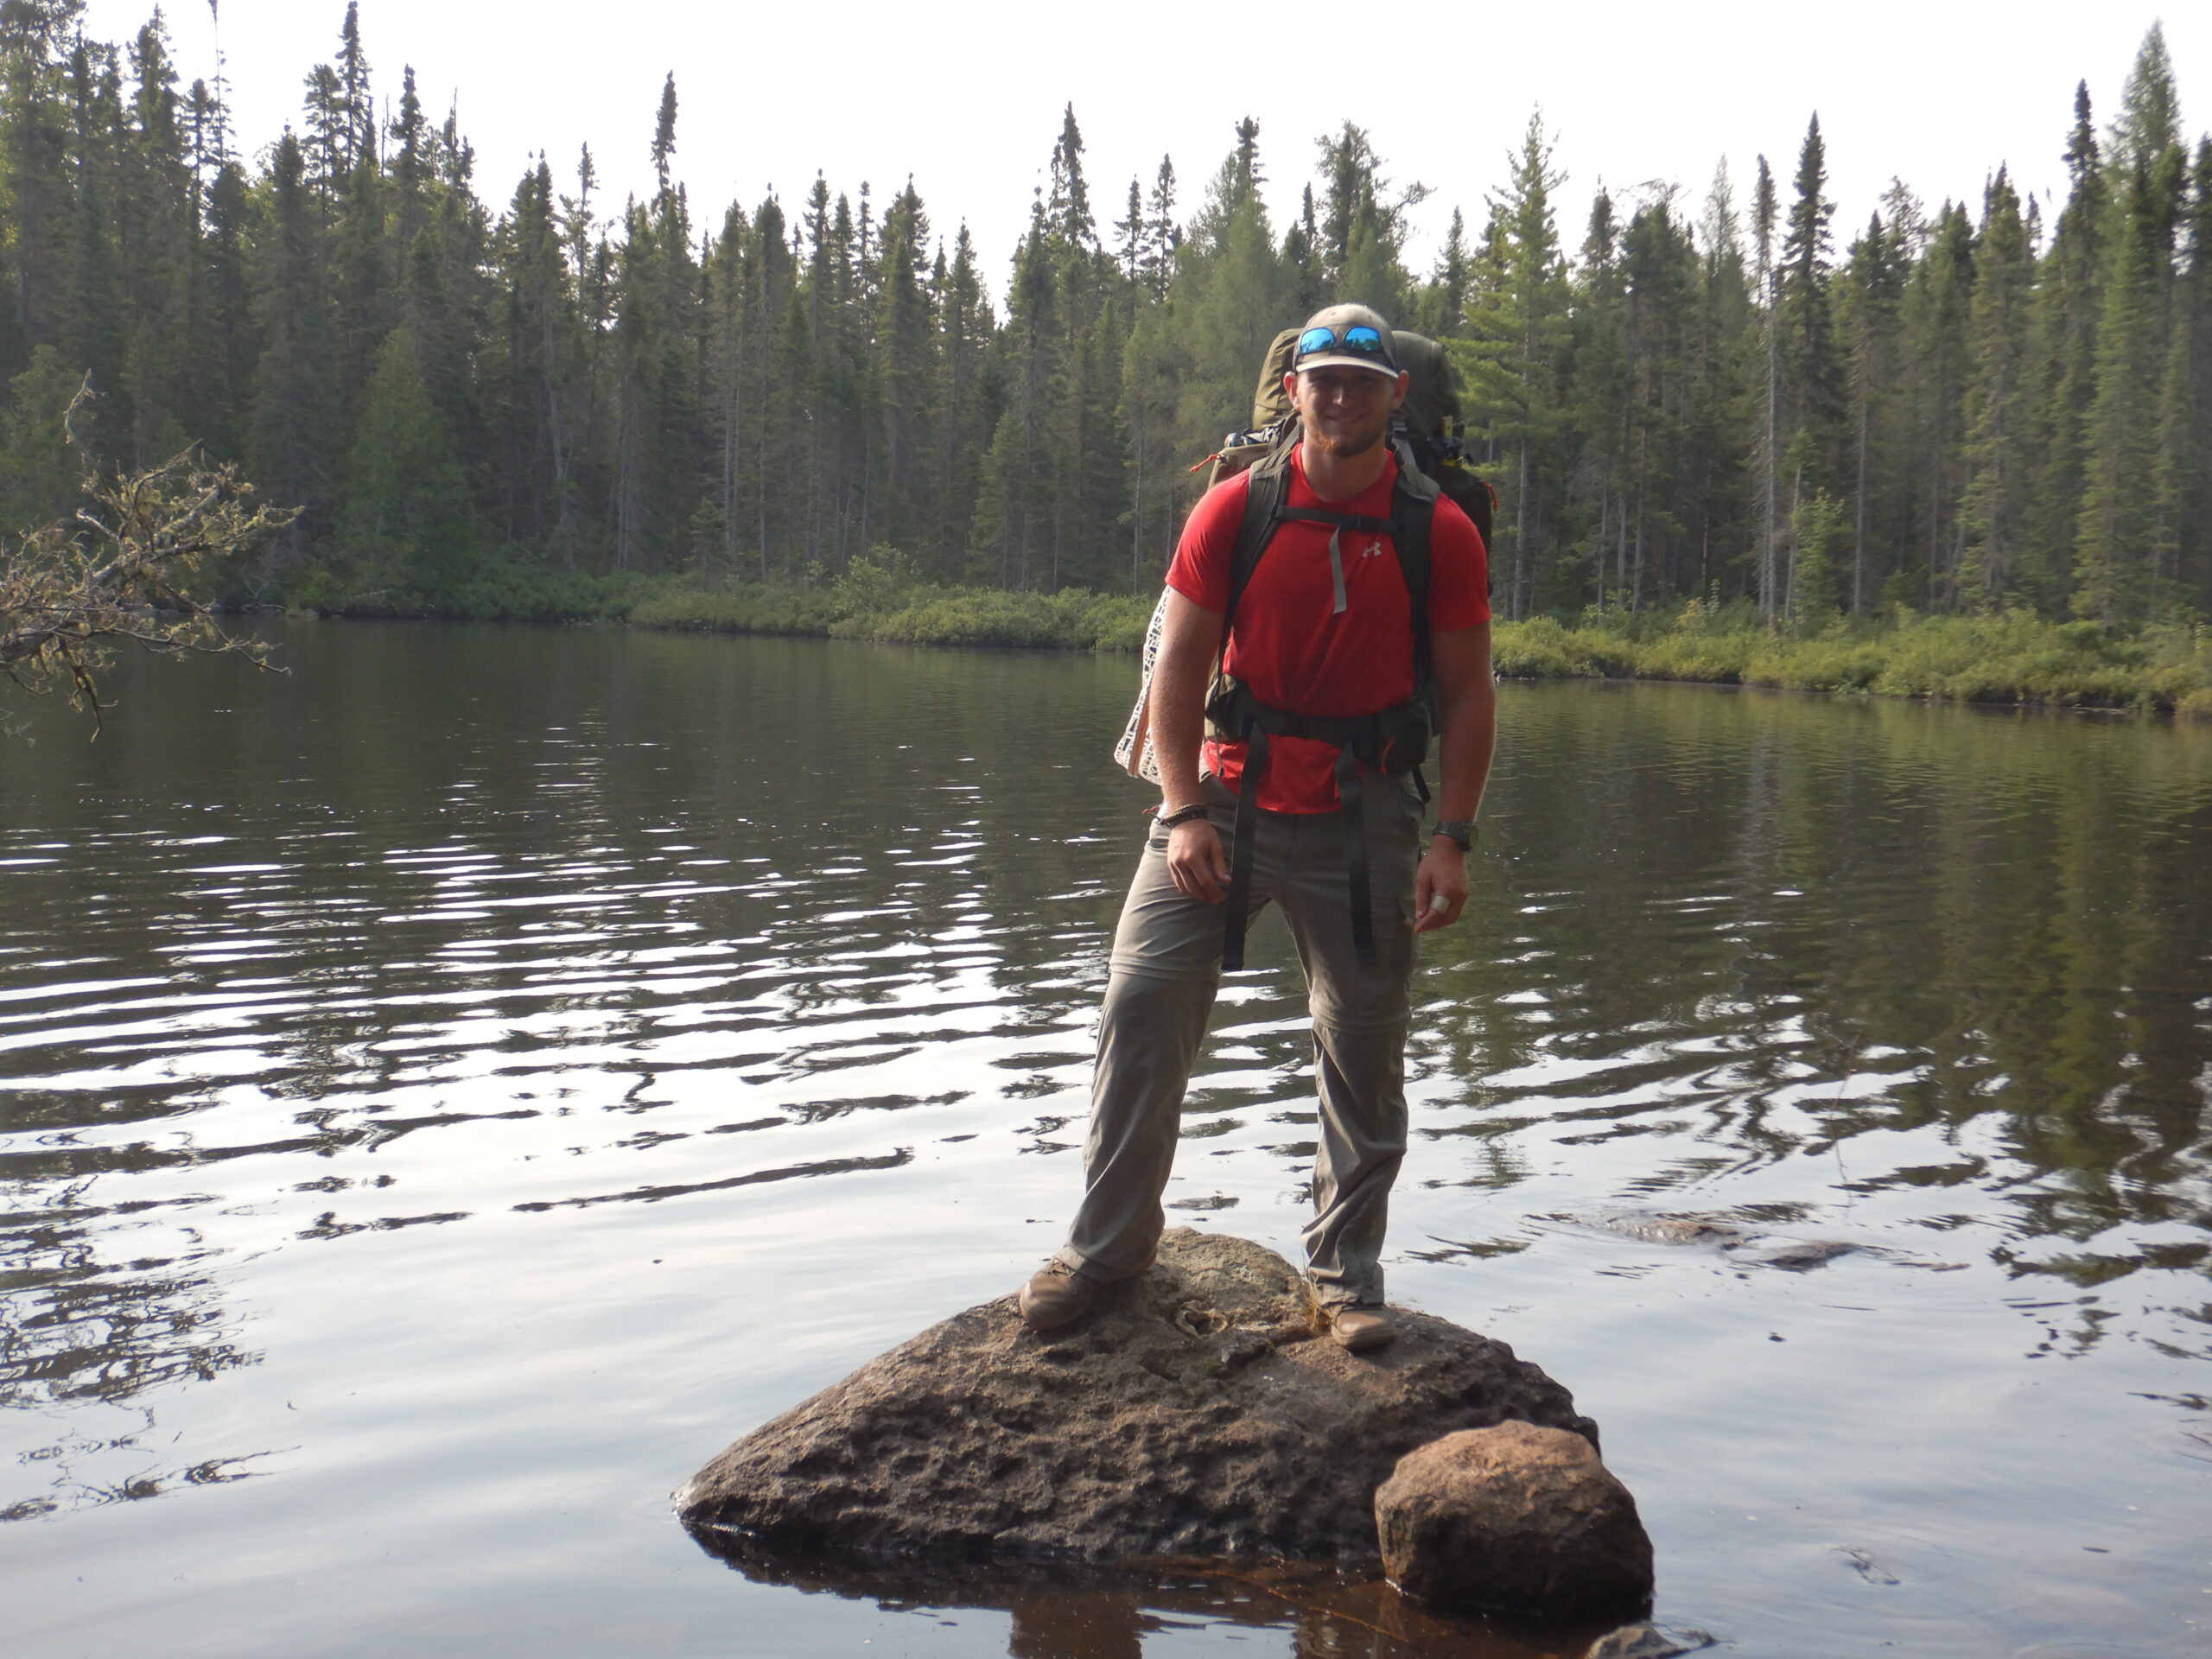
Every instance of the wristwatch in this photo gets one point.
(1461, 831)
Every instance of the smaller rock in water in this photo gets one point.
(1517, 1517)
(1647, 1642)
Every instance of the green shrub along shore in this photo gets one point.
(2008, 656)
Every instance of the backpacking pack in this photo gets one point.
(1426, 431)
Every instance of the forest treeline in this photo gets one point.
(1973, 408)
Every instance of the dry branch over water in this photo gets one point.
(120, 570)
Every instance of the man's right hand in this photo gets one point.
(1196, 863)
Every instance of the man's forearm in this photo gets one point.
(1179, 679)
(1469, 739)
(1468, 693)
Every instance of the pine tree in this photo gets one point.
(1812, 371)
(1440, 308)
(1362, 226)
(1881, 389)
(1513, 363)
(1772, 416)
(1068, 209)
(1716, 507)
(404, 513)
(1129, 234)
(2182, 475)
(1938, 307)
(1014, 513)
(289, 443)
(1230, 297)
(39, 472)
(157, 232)
(1999, 396)
(42, 211)
(1599, 411)
(1162, 235)
(2069, 301)
(2112, 555)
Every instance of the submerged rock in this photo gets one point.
(1649, 1642)
(1517, 1517)
(1738, 1244)
(1191, 1412)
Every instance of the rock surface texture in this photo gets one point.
(1519, 1517)
(1195, 1411)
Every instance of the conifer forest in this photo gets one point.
(472, 386)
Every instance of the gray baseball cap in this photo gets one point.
(1350, 336)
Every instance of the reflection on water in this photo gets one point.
(1063, 1613)
(463, 1084)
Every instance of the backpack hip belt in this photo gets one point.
(1392, 741)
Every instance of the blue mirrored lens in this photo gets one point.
(1363, 339)
(1316, 340)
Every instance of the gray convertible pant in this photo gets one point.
(1165, 969)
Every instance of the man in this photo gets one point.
(1321, 636)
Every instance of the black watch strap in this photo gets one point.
(1181, 815)
(1459, 829)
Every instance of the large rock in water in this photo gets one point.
(1194, 1411)
(1518, 1518)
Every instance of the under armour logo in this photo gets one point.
(1373, 550)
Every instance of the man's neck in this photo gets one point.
(1335, 477)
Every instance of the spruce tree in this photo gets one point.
(2114, 580)
(1772, 419)
(1162, 235)
(1812, 369)
(2069, 302)
(290, 443)
(1515, 365)
(1938, 307)
(404, 516)
(1999, 396)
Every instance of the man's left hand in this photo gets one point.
(1439, 886)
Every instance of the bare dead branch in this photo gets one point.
(121, 570)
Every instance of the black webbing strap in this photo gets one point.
(1241, 859)
(1355, 739)
(1362, 916)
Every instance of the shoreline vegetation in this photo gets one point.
(2004, 657)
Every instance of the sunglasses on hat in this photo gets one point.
(1359, 340)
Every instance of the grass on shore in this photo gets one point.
(2013, 657)
(871, 604)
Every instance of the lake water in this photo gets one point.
(452, 1090)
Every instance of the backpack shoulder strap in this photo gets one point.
(1266, 487)
(1412, 507)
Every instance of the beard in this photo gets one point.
(1347, 441)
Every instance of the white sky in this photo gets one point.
(969, 98)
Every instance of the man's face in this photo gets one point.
(1345, 411)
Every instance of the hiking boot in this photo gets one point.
(1359, 1327)
(1057, 1295)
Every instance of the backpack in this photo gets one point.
(1427, 432)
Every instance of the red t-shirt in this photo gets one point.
(1288, 643)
